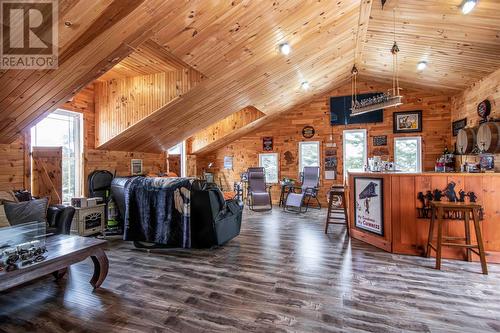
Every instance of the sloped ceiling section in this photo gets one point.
(93, 37)
(235, 45)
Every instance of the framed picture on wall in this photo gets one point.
(267, 143)
(407, 122)
(369, 204)
(136, 167)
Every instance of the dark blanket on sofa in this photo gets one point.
(157, 211)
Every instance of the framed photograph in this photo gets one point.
(136, 167)
(407, 122)
(457, 125)
(228, 162)
(267, 143)
(369, 204)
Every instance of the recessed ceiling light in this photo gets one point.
(305, 85)
(468, 6)
(285, 48)
(421, 65)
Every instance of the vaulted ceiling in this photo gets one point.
(234, 44)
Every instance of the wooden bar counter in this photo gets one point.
(403, 232)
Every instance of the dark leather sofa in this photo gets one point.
(214, 221)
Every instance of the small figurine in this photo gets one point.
(472, 196)
(450, 193)
(429, 197)
(462, 196)
(421, 198)
(437, 195)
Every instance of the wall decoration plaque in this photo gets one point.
(369, 204)
(380, 140)
(308, 132)
(267, 143)
(484, 109)
(457, 125)
(228, 162)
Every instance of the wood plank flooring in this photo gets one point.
(282, 274)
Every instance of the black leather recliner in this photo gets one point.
(214, 221)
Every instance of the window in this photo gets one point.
(355, 150)
(270, 164)
(180, 149)
(63, 129)
(308, 154)
(408, 154)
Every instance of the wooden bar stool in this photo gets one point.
(337, 208)
(464, 210)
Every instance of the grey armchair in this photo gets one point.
(259, 194)
(307, 191)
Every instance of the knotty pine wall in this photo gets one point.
(122, 103)
(464, 105)
(15, 164)
(286, 133)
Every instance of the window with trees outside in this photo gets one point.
(408, 154)
(63, 129)
(355, 150)
(270, 163)
(308, 154)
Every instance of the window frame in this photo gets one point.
(79, 145)
(365, 154)
(318, 144)
(419, 152)
(276, 155)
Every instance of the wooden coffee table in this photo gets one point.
(62, 252)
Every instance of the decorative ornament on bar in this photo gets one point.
(386, 100)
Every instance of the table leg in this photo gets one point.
(439, 237)
(60, 273)
(101, 266)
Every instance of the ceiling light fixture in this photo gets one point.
(421, 65)
(468, 6)
(305, 85)
(285, 48)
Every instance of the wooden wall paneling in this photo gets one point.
(252, 66)
(174, 164)
(286, 131)
(404, 238)
(47, 173)
(224, 131)
(191, 167)
(464, 104)
(121, 103)
(96, 50)
(489, 197)
(12, 163)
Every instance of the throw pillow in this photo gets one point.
(27, 211)
(4, 222)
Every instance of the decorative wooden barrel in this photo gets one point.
(488, 137)
(466, 140)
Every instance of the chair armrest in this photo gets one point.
(60, 216)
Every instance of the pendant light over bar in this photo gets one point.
(382, 101)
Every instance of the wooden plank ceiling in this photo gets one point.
(459, 49)
(235, 45)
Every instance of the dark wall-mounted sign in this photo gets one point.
(267, 143)
(380, 140)
(308, 132)
(458, 125)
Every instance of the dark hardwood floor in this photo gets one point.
(282, 274)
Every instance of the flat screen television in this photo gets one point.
(340, 111)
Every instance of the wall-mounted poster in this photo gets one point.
(136, 167)
(369, 208)
(407, 122)
(331, 163)
(228, 162)
(267, 143)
